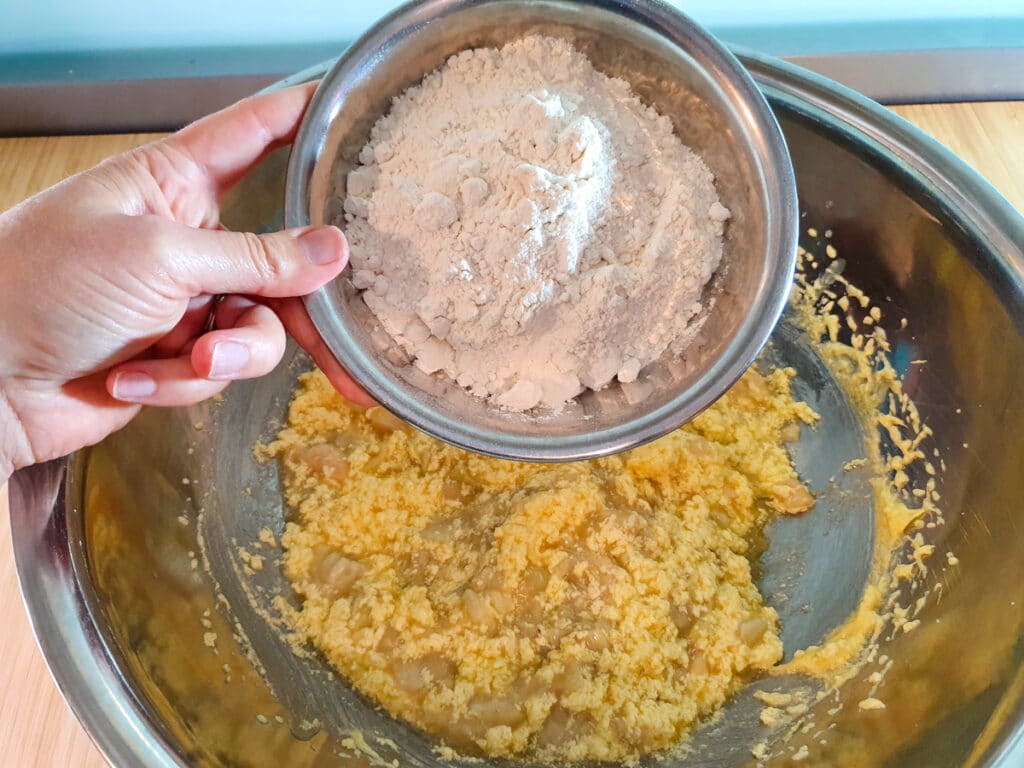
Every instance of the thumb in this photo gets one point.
(293, 262)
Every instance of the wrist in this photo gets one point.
(14, 449)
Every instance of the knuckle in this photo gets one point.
(267, 326)
(260, 316)
(268, 260)
(139, 161)
(151, 237)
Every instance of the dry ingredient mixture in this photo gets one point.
(595, 610)
(525, 224)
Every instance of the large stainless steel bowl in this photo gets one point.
(121, 614)
(673, 65)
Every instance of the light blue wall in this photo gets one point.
(48, 41)
(48, 26)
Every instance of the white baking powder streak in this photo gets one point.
(528, 226)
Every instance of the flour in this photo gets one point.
(528, 226)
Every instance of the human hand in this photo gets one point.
(107, 285)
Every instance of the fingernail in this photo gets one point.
(322, 246)
(133, 386)
(228, 360)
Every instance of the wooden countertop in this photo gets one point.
(36, 728)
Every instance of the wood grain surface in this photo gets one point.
(36, 728)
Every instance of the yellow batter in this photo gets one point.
(595, 610)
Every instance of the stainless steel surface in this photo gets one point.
(673, 65)
(106, 568)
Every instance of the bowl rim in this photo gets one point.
(767, 145)
(43, 497)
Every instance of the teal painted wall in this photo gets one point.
(73, 39)
(40, 26)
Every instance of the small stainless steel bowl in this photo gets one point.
(672, 64)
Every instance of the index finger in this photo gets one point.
(226, 144)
